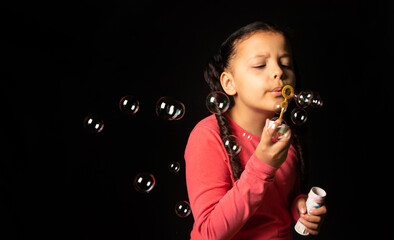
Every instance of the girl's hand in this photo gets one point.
(274, 154)
(313, 221)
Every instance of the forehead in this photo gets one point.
(262, 42)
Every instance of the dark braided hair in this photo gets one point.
(216, 66)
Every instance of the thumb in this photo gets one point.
(268, 130)
(301, 206)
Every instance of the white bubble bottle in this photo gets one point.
(315, 199)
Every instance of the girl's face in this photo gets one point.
(261, 66)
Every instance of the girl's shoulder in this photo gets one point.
(205, 139)
(207, 126)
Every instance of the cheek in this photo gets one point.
(252, 90)
(252, 86)
(255, 80)
(290, 78)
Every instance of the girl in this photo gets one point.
(256, 193)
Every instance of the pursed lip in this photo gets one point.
(276, 91)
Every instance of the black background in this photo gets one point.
(63, 61)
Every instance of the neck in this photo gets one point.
(252, 120)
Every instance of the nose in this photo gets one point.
(278, 73)
(278, 76)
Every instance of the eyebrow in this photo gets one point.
(265, 55)
(285, 55)
(258, 55)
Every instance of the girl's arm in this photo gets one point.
(220, 213)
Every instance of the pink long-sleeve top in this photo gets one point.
(260, 205)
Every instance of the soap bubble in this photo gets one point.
(299, 116)
(304, 98)
(174, 167)
(278, 107)
(316, 100)
(217, 102)
(169, 108)
(129, 105)
(247, 136)
(182, 209)
(144, 182)
(232, 145)
(280, 131)
(93, 123)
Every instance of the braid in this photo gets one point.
(225, 130)
(212, 73)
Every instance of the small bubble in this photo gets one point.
(129, 105)
(93, 123)
(278, 107)
(144, 182)
(174, 167)
(182, 209)
(247, 136)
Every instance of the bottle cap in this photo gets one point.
(317, 194)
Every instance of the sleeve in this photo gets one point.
(297, 193)
(220, 213)
(294, 211)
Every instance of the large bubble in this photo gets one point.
(304, 98)
(280, 131)
(316, 100)
(169, 108)
(299, 116)
(232, 145)
(217, 102)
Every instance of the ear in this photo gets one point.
(228, 84)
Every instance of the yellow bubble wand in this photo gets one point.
(287, 93)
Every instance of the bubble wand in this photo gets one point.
(280, 131)
(287, 93)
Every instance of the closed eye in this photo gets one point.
(259, 66)
(286, 66)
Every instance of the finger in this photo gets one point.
(318, 211)
(312, 218)
(312, 231)
(266, 135)
(301, 206)
(310, 225)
